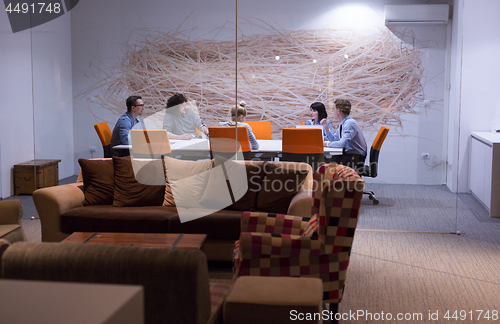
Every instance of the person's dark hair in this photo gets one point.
(344, 105)
(320, 108)
(175, 100)
(131, 102)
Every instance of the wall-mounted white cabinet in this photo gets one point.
(484, 176)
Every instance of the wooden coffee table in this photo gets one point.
(154, 240)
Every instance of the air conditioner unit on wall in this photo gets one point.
(434, 14)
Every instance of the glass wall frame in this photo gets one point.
(279, 58)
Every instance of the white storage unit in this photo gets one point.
(421, 14)
(484, 176)
(49, 302)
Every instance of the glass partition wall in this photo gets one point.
(52, 99)
(278, 57)
(291, 54)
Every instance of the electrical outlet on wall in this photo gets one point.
(92, 149)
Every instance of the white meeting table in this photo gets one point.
(202, 145)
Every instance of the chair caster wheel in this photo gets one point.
(375, 201)
(370, 197)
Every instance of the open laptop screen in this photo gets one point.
(309, 126)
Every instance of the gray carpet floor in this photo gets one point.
(405, 261)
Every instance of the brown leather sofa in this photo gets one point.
(11, 229)
(176, 282)
(62, 212)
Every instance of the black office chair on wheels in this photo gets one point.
(371, 170)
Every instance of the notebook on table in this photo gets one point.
(309, 126)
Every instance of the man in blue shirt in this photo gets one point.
(348, 136)
(120, 135)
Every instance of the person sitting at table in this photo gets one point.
(180, 121)
(348, 136)
(318, 114)
(120, 135)
(239, 114)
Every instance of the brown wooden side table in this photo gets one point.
(35, 174)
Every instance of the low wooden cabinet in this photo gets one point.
(35, 174)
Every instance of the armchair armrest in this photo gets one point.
(257, 245)
(51, 202)
(11, 212)
(271, 223)
(301, 204)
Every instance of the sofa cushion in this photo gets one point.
(98, 181)
(4, 244)
(128, 191)
(12, 233)
(217, 191)
(148, 219)
(186, 180)
(175, 281)
(221, 225)
(278, 188)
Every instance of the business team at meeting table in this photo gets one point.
(181, 123)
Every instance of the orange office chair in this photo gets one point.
(261, 129)
(152, 143)
(303, 145)
(104, 133)
(223, 141)
(371, 170)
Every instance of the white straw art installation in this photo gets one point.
(280, 73)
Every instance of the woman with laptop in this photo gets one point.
(239, 114)
(319, 117)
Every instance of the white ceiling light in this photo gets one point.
(347, 16)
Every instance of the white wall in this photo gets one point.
(37, 108)
(99, 31)
(16, 131)
(454, 95)
(480, 76)
(52, 93)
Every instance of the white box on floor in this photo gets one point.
(48, 302)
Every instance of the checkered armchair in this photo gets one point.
(320, 246)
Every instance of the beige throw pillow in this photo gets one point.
(244, 182)
(186, 182)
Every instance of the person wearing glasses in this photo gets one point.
(180, 121)
(121, 132)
